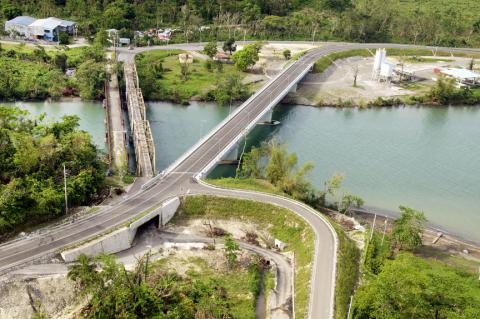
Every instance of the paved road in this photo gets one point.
(179, 180)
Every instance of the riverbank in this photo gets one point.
(449, 248)
(345, 79)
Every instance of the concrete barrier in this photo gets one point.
(122, 238)
(116, 241)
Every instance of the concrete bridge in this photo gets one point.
(139, 125)
(184, 177)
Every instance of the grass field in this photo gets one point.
(279, 222)
(199, 80)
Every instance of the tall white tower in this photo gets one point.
(380, 58)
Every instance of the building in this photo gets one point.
(46, 29)
(19, 26)
(463, 77)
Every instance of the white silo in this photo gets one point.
(386, 70)
(380, 58)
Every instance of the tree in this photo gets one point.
(11, 11)
(101, 39)
(60, 60)
(407, 230)
(63, 38)
(355, 75)
(412, 287)
(287, 54)
(231, 249)
(247, 57)
(348, 202)
(471, 64)
(210, 49)
(230, 88)
(91, 78)
(332, 187)
(229, 45)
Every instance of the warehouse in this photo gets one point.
(46, 29)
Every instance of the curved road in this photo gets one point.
(181, 177)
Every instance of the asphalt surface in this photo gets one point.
(179, 180)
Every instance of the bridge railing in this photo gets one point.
(200, 142)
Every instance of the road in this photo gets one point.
(179, 179)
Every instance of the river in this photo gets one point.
(91, 115)
(425, 158)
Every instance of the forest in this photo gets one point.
(34, 73)
(33, 154)
(433, 22)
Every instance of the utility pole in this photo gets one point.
(384, 230)
(350, 307)
(65, 188)
(373, 227)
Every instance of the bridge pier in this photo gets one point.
(293, 89)
(267, 117)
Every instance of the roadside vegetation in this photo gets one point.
(433, 22)
(153, 290)
(382, 276)
(32, 154)
(162, 77)
(34, 73)
(280, 223)
(397, 283)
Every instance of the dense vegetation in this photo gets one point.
(397, 284)
(151, 290)
(32, 155)
(435, 22)
(411, 287)
(29, 73)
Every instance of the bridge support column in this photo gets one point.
(233, 154)
(267, 117)
(294, 88)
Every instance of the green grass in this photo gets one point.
(252, 184)
(199, 82)
(279, 222)
(348, 259)
(416, 59)
(429, 252)
(324, 62)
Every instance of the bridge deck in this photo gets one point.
(140, 127)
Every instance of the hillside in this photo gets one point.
(435, 22)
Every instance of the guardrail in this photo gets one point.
(212, 132)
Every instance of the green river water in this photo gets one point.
(425, 158)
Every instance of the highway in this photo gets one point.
(179, 180)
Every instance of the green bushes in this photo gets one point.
(20, 79)
(32, 155)
(30, 74)
(324, 62)
(411, 287)
(348, 258)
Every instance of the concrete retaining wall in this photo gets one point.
(169, 208)
(114, 242)
(122, 238)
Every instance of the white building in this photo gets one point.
(464, 77)
(20, 26)
(31, 28)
